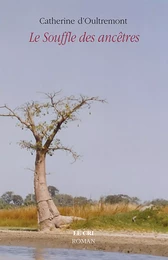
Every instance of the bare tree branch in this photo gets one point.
(30, 125)
(58, 111)
(68, 112)
(51, 137)
(27, 145)
(64, 148)
(13, 114)
(29, 169)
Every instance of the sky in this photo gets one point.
(124, 143)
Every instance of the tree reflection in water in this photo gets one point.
(38, 254)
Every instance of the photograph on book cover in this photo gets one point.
(84, 131)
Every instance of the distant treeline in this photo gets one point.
(9, 199)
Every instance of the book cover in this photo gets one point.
(83, 108)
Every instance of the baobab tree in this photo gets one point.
(45, 120)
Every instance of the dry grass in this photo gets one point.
(97, 216)
(165, 209)
(19, 217)
(27, 216)
(88, 211)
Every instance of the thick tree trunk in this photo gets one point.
(49, 217)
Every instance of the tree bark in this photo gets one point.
(49, 217)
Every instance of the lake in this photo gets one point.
(27, 253)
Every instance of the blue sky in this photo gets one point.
(124, 143)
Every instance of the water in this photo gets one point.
(27, 253)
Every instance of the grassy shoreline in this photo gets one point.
(98, 217)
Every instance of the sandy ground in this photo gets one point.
(126, 242)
